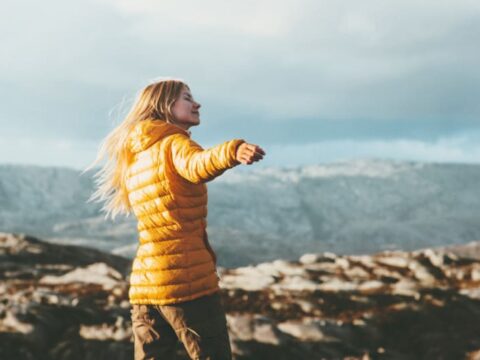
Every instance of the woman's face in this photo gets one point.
(185, 110)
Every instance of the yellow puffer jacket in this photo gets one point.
(167, 191)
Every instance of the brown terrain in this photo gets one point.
(66, 302)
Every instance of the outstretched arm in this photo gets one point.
(197, 165)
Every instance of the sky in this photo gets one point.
(310, 81)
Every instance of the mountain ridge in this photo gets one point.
(358, 206)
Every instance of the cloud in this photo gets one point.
(463, 148)
(290, 72)
(47, 152)
(267, 18)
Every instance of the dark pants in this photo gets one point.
(199, 324)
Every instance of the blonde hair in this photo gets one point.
(155, 101)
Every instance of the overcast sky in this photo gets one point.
(310, 81)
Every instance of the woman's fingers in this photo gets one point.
(250, 153)
(250, 159)
(260, 150)
(257, 149)
(246, 160)
(254, 155)
(254, 149)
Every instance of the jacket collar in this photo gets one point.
(147, 132)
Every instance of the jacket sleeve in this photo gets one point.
(197, 165)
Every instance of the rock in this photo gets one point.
(120, 331)
(254, 327)
(308, 259)
(252, 282)
(473, 355)
(357, 273)
(306, 306)
(395, 261)
(405, 287)
(11, 323)
(342, 263)
(372, 286)
(305, 330)
(436, 259)
(295, 283)
(98, 273)
(387, 273)
(474, 274)
(335, 285)
(364, 260)
(269, 269)
(265, 331)
(472, 293)
(422, 274)
(240, 326)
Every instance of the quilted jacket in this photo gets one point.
(166, 188)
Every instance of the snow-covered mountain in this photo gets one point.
(255, 215)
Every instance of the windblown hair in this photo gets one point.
(155, 101)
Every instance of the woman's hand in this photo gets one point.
(247, 153)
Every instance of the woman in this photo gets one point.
(155, 170)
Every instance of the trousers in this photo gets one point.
(200, 324)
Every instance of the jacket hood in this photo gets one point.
(148, 132)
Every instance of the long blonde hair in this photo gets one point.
(155, 101)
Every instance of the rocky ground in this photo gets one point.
(60, 302)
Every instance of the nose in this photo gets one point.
(197, 105)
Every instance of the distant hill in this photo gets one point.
(256, 215)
